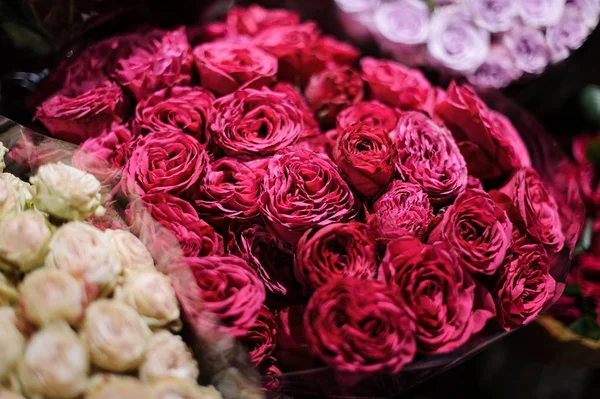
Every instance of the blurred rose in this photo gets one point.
(473, 182)
(528, 48)
(565, 310)
(167, 356)
(589, 10)
(168, 388)
(271, 381)
(586, 273)
(131, 253)
(3, 151)
(404, 22)
(293, 94)
(334, 52)
(540, 13)
(15, 195)
(260, 340)
(497, 71)
(112, 386)
(24, 238)
(12, 341)
(322, 143)
(371, 113)
(494, 15)
(8, 291)
(255, 19)
(105, 145)
(568, 34)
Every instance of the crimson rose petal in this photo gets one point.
(311, 126)
(260, 340)
(254, 19)
(370, 113)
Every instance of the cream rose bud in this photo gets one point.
(24, 238)
(116, 335)
(107, 386)
(55, 364)
(152, 296)
(8, 291)
(3, 151)
(15, 195)
(168, 356)
(130, 251)
(12, 341)
(86, 252)
(48, 295)
(174, 388)
(66, 192)
(6, 394)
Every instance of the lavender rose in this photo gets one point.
(528, 48)
(568, 34)
(497, 71)
(405, 21)
(540, 13)
(494, 15)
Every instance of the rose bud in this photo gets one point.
(330, 91)
(167, 356)
(151, 295)
(528, 48)
(67, 193)
(47, 295)
(497, 71)
(169, 388)
(403, 210)
(365, 156)
(8, 291)
(178, 108)
(12, 341)
(442, 299)
(342, 313)
(568, 34)
(227, 65)
(166, 162)
(539, 14)
(131, 253)
(24, 240)
(3, 150)
(478, 232)
(524, 287)
(455, 41)
(302, 190)
(85, 252)
(254, 123)
(371, 113)
(55, 363)
(81, 116)
(255, 19)
(6, 394)
(429, 157)
(260, 340)
(494, 16)
(161, 59)
(293, 94)
(231, 291)
(115, 335)
(111, 386)
(534, 209)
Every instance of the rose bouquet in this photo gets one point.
(336, 215)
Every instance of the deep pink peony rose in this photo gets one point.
(228, 65)
(443, 300)
(473, 182)
(370, 113)
(396, 85)
(84, 115)
(334, 52)
(167, 161)
(478, 232)
(323, 143)
(358, 326)
(366, 156)
(104, 145)
(330, 91)
(429, 157)
(508, 130)
(255, 19)
(293, 94)
(180, 109)
(403, 210)
(260, 340)
(302, 190)
(335, 251)
(254, 123)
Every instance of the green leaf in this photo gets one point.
(585, 242)
(586, 327)
(593, 152)
(26, 39)
(572, 290)
(590, 101)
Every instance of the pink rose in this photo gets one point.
(311, 126)
(366, 156)
(334, 52)
(323, 143)
(255, 19)
(473, 182)
(104, 145)
(429, 157)
(442, 299)
(358, 326)
(271, 380)
(227, 65)
(302, 190)
(370, 113)
(504, 125)
(478, 232)
(260, 340)
(586, 273)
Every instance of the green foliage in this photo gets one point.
(586, 327)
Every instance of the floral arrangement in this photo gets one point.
(490, 43)
(332, 210)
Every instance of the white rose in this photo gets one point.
(8, 291)
(168, 356)
(24, 240)
(6, 394)
(130, 251)
(3, 150)
(173, 388)
(15, 195)
(107, 386)
(116, 335)
(85, 252)
(12, 341)
(55, 363)
(66, 192)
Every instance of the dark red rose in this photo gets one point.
(473, 182)
(85, 115)
(260, 340)
(302, 190)
(334, 52)
(255, 19)
(323, 143)
(254, 123)
(358, 326)
(395, 84)
(181, 109)
(443, 300)
(168, 161)
(228, 65)
(429, 157)
(566, 310)
(370, 113)
(271, 381)
(335, 251)
(292, 347)
(366, 156)
(403, 210)
(208, 32)
(586, 273)
(311, 126)
(588, 176)
(330, 91)
(478, 232)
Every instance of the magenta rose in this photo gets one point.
(254, 123)
(335, 251)
(504, 125)
(271, 376)
(477, 232)
(228, 65)
(181, 109)
(303, 189)
(445, 303)
(260, 340)
(167, 161)
(84, 115)
(161, 59)
(395, 84)
(334, 52)
(104, 145)
(370, 113)
(311, 126)
(429, 157)
(358, 326)
(403, 210)
(586, 273)
(323, 143)
(565, 310)
(366, 156)
(255, 19)
(473, 182)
